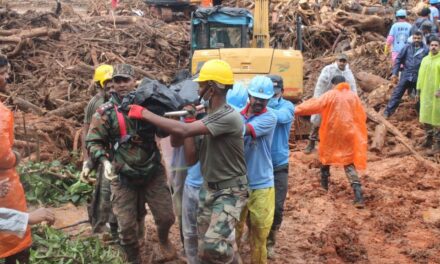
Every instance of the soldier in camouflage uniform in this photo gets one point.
(132, 162)
(224, 192)
(100, 211)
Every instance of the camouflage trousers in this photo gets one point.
(102, 206)
(129, 208)
(218, 213)
(350, 172)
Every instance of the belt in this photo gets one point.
(234, 182)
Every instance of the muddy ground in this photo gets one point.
(401, 221)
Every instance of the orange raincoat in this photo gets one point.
(343, 131)
(15, 199)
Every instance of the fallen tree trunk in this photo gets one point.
(368, 82)
(380, 133)
(27, 107)
(69, 110)
(377, 118)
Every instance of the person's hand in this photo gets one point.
(135, 111)
(394, 79)
(40, 215)
(17, 157)
(191, 109)
(4, 187)
(86, 169)
(108, 170)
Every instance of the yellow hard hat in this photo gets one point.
(216, 70)
(103, 73)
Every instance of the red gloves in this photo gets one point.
(135, 112)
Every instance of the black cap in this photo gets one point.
(277, 81)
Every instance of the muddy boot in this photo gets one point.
(434, 150)
(168, 251)
(271, 240)
(132, 254)
(310, 147)
(358, 198)
(428, 141)
(325, 174)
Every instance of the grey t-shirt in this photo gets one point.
(222, 152)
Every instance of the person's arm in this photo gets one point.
(190, 150)
(351, 81)
(261, 126)
(173, 127)
(84, 147)
(390, 40)
(322, 83)
(8, 158)
(285, 114)
(13, 221)
(97, 138)
(421, 75)
(400, 59)
(309, 107)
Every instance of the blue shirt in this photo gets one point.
(284, 111)
(194, 176)
(400, 32)
(257, 148)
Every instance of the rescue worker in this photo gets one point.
(398, 35)
(284, 110)
(434, 15)
(340, 67)
(260, 125)
(424, 16)
(343, 133)
(12, 248)
(410, 57)
(132, 163)
(428, 88)
(100, 209)
(224, 192)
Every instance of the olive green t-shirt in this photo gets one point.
(92, 106)
(222, 152)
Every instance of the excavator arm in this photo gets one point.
(261, 38)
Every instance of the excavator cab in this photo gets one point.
(220, 27)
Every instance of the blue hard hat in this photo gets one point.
(237, 96)
(402, 12)
(261, 87)
(432, 2)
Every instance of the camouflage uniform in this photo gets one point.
(100, 209)
(222, 207)
(141, 177)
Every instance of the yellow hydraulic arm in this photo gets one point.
(260, 38)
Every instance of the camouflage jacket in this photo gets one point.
(135, 155)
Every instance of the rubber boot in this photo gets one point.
(358, 198)
(132, 253)
(325, 174)
(310, 147)
(271, 241)
(167, 249)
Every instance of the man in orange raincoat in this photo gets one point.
(343, 133)
(12, 248)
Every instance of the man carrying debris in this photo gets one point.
(428, 88)
(323, 85)
(224, 192)
(398, 36)
(284, 110)
(410, 57)
(260, 125)
(343, 133)
(12, 248)
(100, 211)
(132, 162)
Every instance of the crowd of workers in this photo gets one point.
(230, 159)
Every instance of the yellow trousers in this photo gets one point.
(258, 214)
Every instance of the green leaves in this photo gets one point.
(55, 247)
(53, 184)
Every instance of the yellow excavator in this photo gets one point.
(234, 35)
